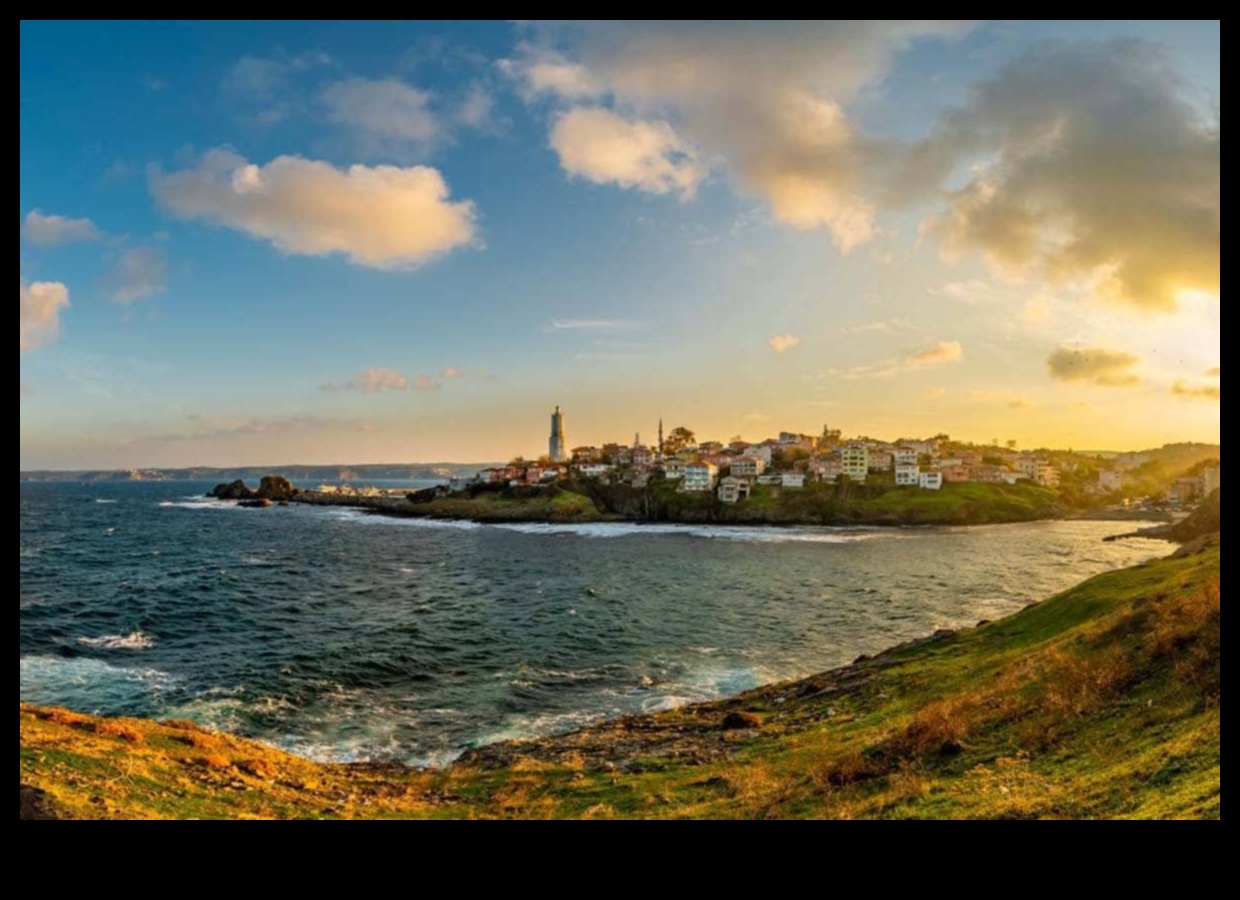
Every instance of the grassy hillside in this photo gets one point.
(1104, 701)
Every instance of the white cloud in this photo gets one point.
(49, 229)
(767, 99)
(41, 304)
(452, 372)
(385, 217)
(1096, 167)
(477, 110)
(600, 146)
(935, 354)
(140, 272)
(268, 85)
(593, 325)
(381, 379)
(544, 72)
(1094, 365)
(782, 342)
(383, 113)
(883, 326)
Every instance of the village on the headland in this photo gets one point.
(792, 461)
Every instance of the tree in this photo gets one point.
(1011, 444)
(678, 439)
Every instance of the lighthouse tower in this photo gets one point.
(557, 447)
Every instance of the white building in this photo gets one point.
(747, 467)
(904, 456)
(732, 489)
(792, 480)
(594, 470)
(700, 476)
(761, 451)
(930, 481)
(855, 460)
(673, 469)
(907, 474)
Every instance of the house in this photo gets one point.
(700, 476)
(771, 478)
(761, 451)
(1046, 475)
(988, 474)
(792, 480)
(930, 447)
(1111, 480)
(587, 454)
(594, 470)
(855, 461)
(709, 448)
(906, 474)
(827, 469)
(904, 456)
(1131, 460)
(930, 481)
(880, 460)
(732, 489)
(642, 456)
(748, 466)
(1027, 466)
(957, 472)
(673, 469)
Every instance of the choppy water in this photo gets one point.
(345, 636)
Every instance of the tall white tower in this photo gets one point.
(557, 447)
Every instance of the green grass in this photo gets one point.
(1103, 701)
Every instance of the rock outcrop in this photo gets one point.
(273, 489)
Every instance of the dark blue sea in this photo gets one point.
(344, 636)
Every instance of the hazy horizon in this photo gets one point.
(381, 241)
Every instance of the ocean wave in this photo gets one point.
(772, 534)
(135, 640)
(103, 500)
(91, 684)
(199, 503)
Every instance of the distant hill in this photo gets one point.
(379, 472)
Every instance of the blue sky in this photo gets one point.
(307, 242)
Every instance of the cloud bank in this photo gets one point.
(383, 217)
(381, 379)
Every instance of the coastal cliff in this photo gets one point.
(1103, 701)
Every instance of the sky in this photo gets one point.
(265, 243)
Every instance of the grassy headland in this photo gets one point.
(815, 504)
(1103, 701)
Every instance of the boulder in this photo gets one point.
(275, 487)
(235, 490)
(739, 721)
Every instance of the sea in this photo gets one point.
(345, 636)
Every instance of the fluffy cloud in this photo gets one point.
(140, 272)
(602, 147)
(781, 342)
(766, 99)
(1096, 167)
(378, 380)
(384, 112)
(385, 217)
(41, 304)
(47, 230)
(1094, 365)
(1182, 388)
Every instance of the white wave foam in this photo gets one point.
(773, 534)
(88, 684)
(199, 503)
(135, 640)
(103, 500)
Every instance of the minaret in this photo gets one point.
(557, 447)
(660, 440)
